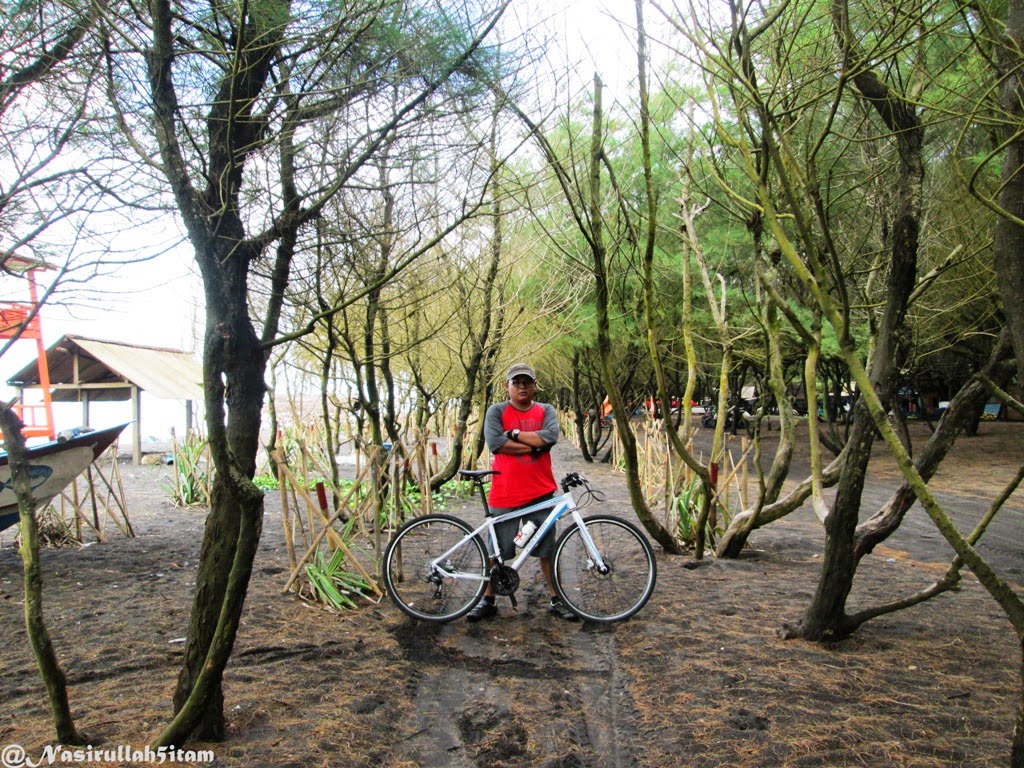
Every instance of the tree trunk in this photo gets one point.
(604, 345)
(825, 615)
(205, 169)
(1017, 746)
(653, 341)
(735, 537)
(965, 407)
(483, 346)
(233, 362)
(1008, 245)
(35, 625)
(231, 352)
(579, 411)
(331, 440)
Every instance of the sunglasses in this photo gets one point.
(523, 382)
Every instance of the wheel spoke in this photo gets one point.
(622, 587)
(427, 593)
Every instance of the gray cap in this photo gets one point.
(521, 369)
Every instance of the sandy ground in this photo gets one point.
(700, 677)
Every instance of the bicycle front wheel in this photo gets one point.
(622, 587)
(434, 594)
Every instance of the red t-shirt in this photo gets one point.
(523, 478)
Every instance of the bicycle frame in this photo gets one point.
(562, 505)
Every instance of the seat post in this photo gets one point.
(483, 497)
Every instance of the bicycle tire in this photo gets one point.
(620, 592)
(407, 575)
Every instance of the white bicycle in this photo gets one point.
(436, 567)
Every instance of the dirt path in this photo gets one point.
(698, 678)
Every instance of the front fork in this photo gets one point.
(595, 560)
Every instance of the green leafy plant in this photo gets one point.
(332, 584)
(191, 474)
(266, 482)
(457, 489)
(411, 499)
(687, 504)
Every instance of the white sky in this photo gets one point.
(595, 35)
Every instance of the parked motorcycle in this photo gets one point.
(710, 419)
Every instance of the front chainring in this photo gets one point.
(504, 580)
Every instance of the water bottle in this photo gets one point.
(525, 533)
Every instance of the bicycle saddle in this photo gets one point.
(477, 474)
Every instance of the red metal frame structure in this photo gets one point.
(21, 320)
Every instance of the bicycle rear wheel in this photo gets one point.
(627, 581)
(426, 593)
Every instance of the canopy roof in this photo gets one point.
(16, 264)
(107, 370)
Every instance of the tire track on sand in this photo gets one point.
(605, 694)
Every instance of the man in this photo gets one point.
(520, 433)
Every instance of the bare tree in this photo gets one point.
(260, 115)
(50, 186)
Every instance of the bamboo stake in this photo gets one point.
(76, 510)
(329, 531)
(312, 506)
(743, 474)
(209, 475)
(74, 507)
(91, 487)
(397, 486)
(116, 474)
(318, 466)
(375, 489)
(426, 497)
(177, 472)
(285, 513)
(298, 518)
(728, 479)
(77, 503)
(123, 524)
(301, 489)
(125, 527)
(668, 486)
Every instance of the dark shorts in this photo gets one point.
(506, 532)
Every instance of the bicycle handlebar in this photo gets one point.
(571, 480)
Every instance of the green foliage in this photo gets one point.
(192, 476)
(687, 505)
(332, 584)
(456, 489)
(269, 482)
(410, 500)
(266, 482)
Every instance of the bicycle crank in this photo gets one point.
(504, 580)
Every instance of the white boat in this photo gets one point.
(52, 466)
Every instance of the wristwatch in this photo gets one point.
(514, 434)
